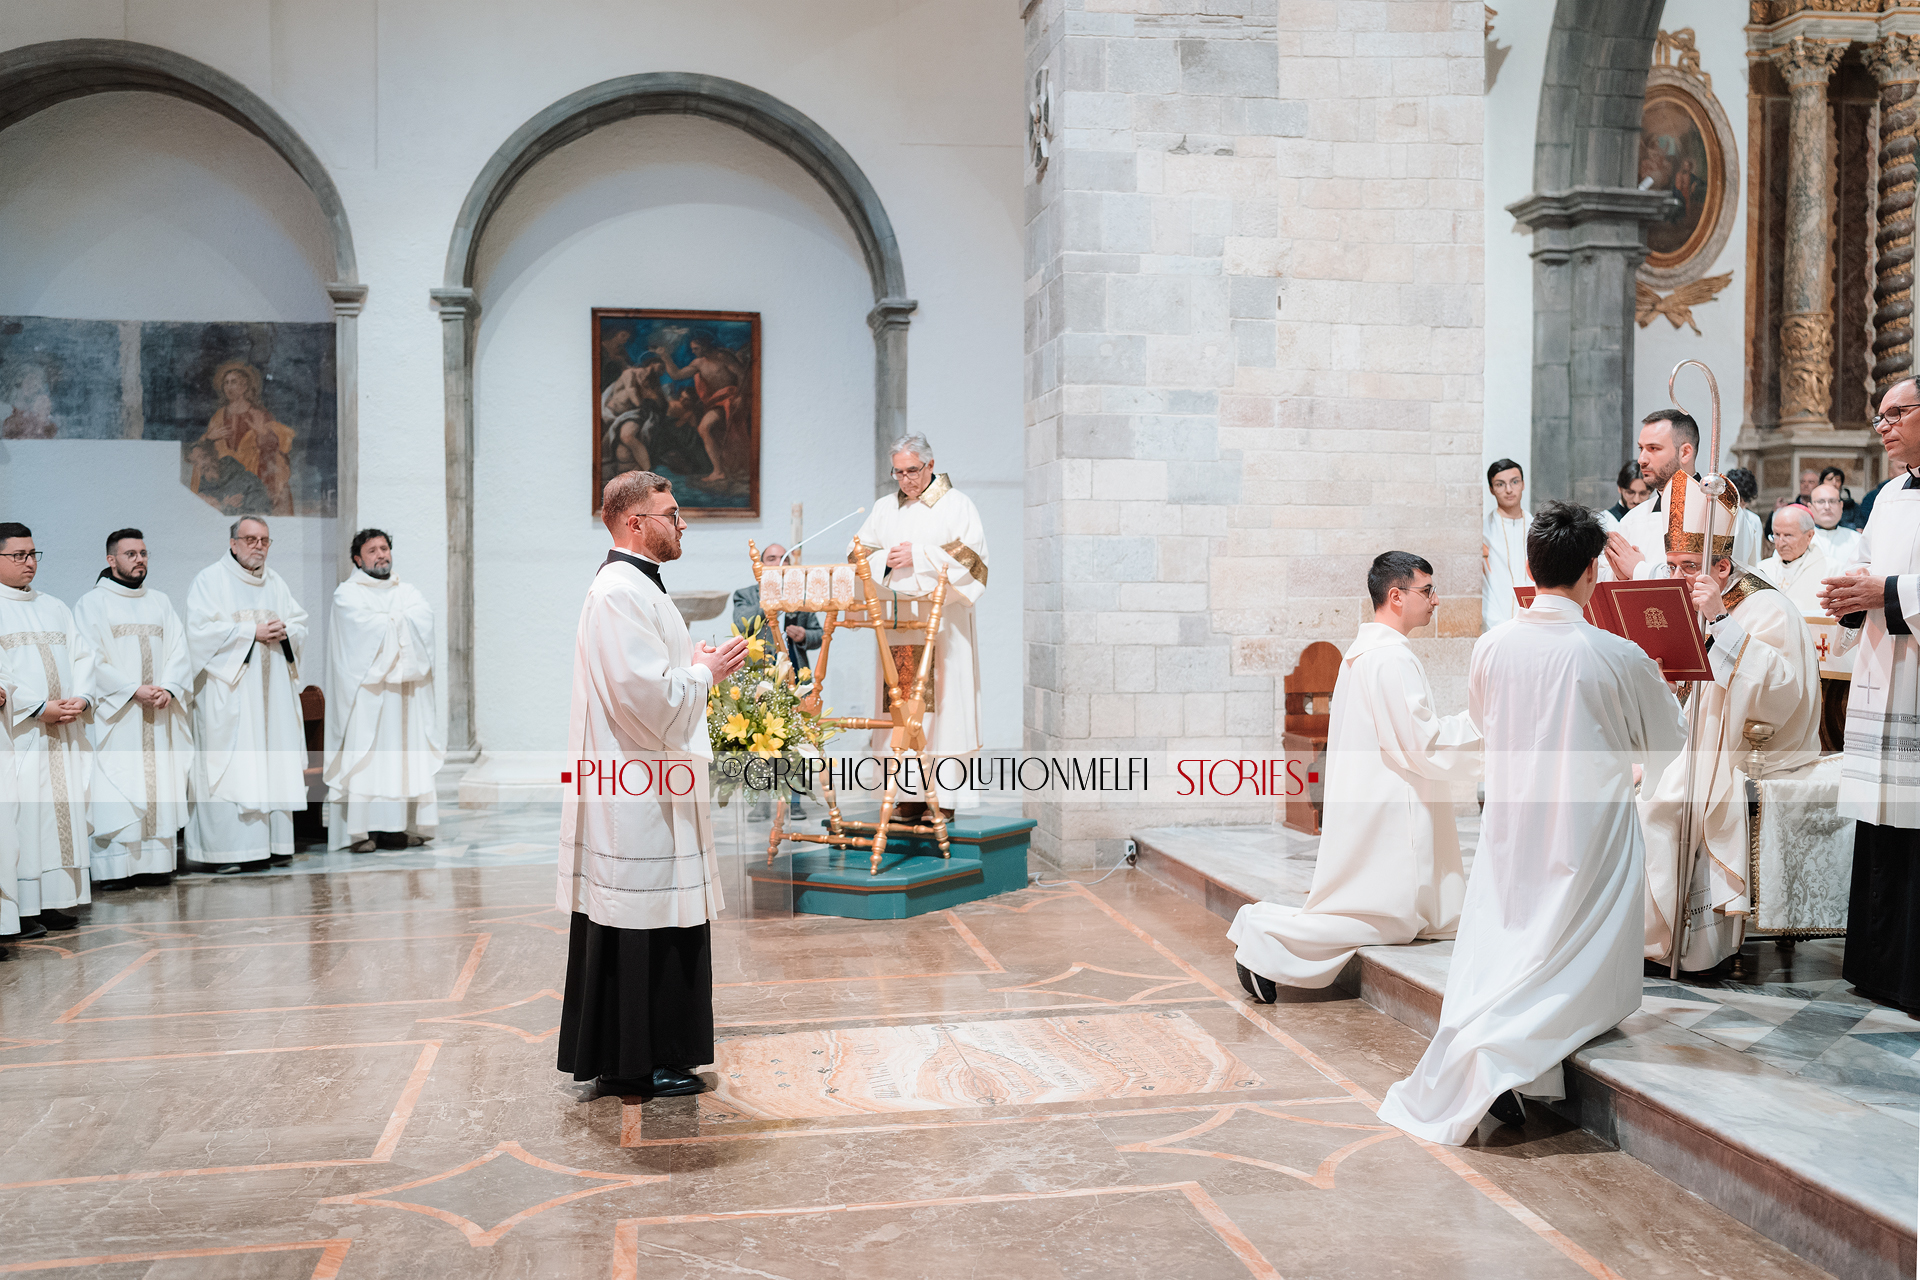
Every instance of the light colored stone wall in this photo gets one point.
(1254, 357)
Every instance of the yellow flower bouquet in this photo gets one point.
(756, 713)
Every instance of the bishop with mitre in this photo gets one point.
(141, 733)
(1389, 867)
(1765, 670)
(384, 742)
(245, 632)
(638, 871)
(925, 531)
(46, 677)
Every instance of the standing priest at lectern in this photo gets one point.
(925, 529)
(1765, 670)
(1878, 604)
(638, 873)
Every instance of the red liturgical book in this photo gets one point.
(1656, 614)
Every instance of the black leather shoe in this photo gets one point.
(5, 954)
(154, 879)
(1509, 1109)
(672, 1082)
(1261, 989)
(58, 919)
(30, 928)
(279, 859)
(113, 886)
(617, 1086)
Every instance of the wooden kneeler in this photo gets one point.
(907, 720)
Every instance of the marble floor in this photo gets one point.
(349, 1075)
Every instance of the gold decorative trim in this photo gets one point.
(935, 491)
(1675, 49)
(968, 558)
(1747, 584)
(146, 631)
(1677, 306)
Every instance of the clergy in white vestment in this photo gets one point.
(638, 872)
(924, 530)
(46, 672)
(1548, 953)
(245, 632)
(1797, 565)
(141, 734)
(1878, 604)
(1764, 669)
(1841, 544)
(1389, 868)
(1669, 441)
(1749, 536)
(1503, 543)
(384, 742)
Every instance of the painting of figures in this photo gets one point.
(678, 393)
(251, 404)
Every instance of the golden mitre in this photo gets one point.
(1686, 504)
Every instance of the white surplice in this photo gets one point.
(1548, 954)
(140, 756)
(1748, 536)
(1764, 669)
(42, 658)
(1880, 782)
(647, 861)
(1506, 566)
(1389, 867)
(944, 527)
(384, 742)
(1843, 546)
(1646, 528)
(1800, 578)
(251, 747)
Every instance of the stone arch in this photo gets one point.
(37, 76)
(755, 113)
(1589, 236)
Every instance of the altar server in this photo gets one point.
(1503, 543)
(1669, 439)
(384, 742)
(1550, 934)
(46, 673)
(638, 873)
(141, 735)
(245, 632)
(923, 530)
(1878, 604)
(1748, 533)
(1765, 670)
(1389, 867)
(1797, 565)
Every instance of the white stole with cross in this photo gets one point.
(1880, 782)
(249, 735)
(141, 756)
(41, 660)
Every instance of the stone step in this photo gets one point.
(1832, 1179)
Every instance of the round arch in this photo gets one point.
(728, 102)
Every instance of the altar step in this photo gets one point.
(1833, 1179)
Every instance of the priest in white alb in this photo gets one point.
(141, 734)
(914, 536)
(1798, 564)
(1669, 441)
(245, 632)
(1389, 868)
(1548, 950)
(384, 742)
(46, 673)
(638, 871)
(1765, 670)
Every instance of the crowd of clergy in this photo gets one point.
(1579, 748)
(131, 729)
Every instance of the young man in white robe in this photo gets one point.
(1503, 543)
(1765, 670)
(46, 674)
(141, 734)
(1669, 441)
(384, 743)
(245, 632)
(1548, 954)
(638, 872)
(1878, 604)
(924, 531)
(1389, 867)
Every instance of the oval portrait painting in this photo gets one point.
(1679, 153)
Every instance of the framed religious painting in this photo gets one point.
(1686, 150)
(678, 393)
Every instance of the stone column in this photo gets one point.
(1806, 331)
(347, 300)
(888, 320)
(1895, 63)
(459, 311)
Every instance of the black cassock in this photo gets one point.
(1883, 915)
(636, 999)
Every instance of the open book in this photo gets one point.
(1654, 613)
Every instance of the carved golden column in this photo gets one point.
(1806, 332)
(1895, 63)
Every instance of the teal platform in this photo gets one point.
(989, 856)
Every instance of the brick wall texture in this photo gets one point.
(1254, 351)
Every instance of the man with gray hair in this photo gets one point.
(924, 531)
(1798, 563)
(245, 631)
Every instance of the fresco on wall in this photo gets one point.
(678, 393)
(251, 404)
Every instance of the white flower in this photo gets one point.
(762, 690)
